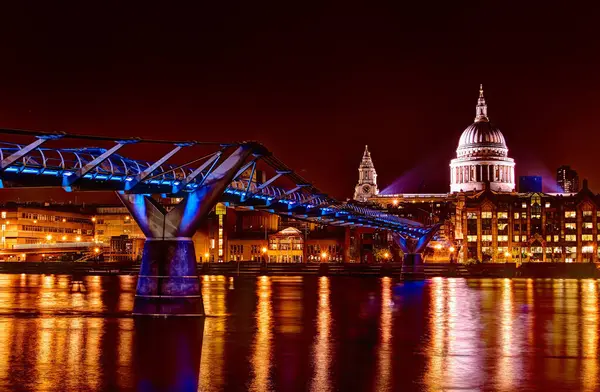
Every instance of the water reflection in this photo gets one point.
(477, 334)
(212, 364)
(321, 380)
(385, 349)
(261, 357)
(454, 352)
(589, 328)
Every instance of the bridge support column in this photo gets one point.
(168, 282)
(412, 267)
(413, 248)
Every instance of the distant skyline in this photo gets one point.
(315, 84)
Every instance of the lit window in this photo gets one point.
(548, 238)
(556, 238)
(486, 215)
(486, 238)
(557, 249)
(548, 250)
(3, 214)
(587, 237)
(503, 238)
(523, 238)
(570, 214)
(516, 215)
(212, 243)
(471, 238)
(502, 249)
(587, 213)
(570, 226)
(547, 204)
(516, 239)
(503, 215)
(587, 249)
(587, 225)
(471, 215)
(536, 249)
(571, 237)
(524, 205)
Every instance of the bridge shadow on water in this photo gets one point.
(166, 353)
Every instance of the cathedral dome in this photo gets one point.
(482, 138)
(482, 156)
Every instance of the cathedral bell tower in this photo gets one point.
(367, 179)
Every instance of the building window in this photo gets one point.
(471, 238)
(587, 249)
(516, 238)
(486, 215)
(503, 238)
(502, 215)
(3, 214)
(571, 238)
(555, 237)
(588, 225)
(548, 238)
(571, 226)
(523, 238)
(570, 214)
(587, 237)
(486, 238)
(471, 215)
(516, 215)
(524, 205)
(547, 204)
(587, 213)
(557, 249)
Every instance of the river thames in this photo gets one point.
(304, 334)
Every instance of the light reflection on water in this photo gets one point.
(304, 333)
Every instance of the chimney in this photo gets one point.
(585, 184)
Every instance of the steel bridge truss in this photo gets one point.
(279, 191)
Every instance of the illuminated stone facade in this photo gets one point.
(367, 179)
(482, 157)
(485, 220)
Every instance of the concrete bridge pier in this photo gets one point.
(412, 263)
(412, 267)
(168, 282)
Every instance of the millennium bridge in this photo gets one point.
(205, 174)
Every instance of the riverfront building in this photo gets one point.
(485, 219)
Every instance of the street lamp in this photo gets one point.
(78, 238)
(451, 249)
(323, 256)
(49, 237)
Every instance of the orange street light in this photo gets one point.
(96, 250)
(323, 256)
(49, 237)
(206, 255)
(264, 249)
(451, 249)
(438, 246)
(64, 237)
(386, 255)
(78, 238)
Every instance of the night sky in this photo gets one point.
(315, 84)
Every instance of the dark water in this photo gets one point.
(304, 334)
